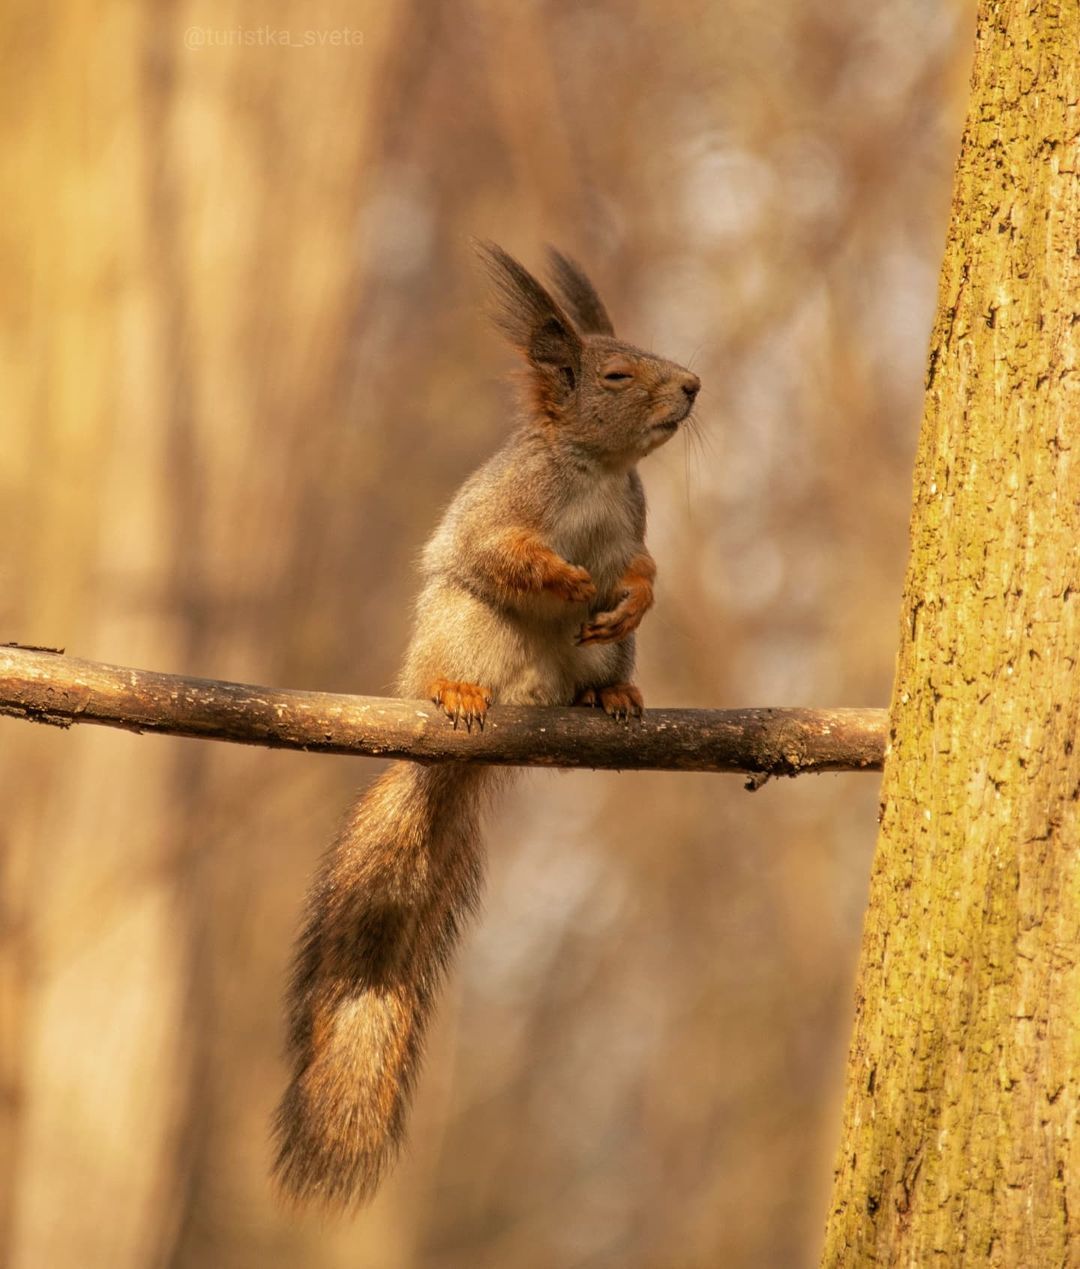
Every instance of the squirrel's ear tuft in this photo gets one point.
(531, 319)
(579, 295)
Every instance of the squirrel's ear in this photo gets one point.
(579, 295)
(531, 320)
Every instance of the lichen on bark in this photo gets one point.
(959, 1141)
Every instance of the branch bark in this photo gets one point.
(49, 687)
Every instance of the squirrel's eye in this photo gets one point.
(616, 376)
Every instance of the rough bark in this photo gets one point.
(50, 688)
(959, 1137)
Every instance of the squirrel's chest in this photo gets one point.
(595, 529)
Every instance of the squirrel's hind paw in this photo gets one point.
(619, 700)
(461, 702)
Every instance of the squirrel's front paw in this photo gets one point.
(570, 582)
(461, 702)
(619, 700)
(614, 626)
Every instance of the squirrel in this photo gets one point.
(533, 585)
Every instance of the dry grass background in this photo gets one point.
(243, 368)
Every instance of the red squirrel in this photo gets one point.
(533, 585)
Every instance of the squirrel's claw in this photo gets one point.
(461, 702)
(618, 700)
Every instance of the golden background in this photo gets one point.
(244, 367)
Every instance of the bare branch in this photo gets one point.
(51, 688)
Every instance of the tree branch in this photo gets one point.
(48, 687)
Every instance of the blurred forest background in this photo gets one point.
(244, 366)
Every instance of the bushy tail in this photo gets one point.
(384, 918)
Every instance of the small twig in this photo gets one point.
(62, 690)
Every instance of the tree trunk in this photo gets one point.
(959, 1139)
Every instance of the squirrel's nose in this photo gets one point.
(691, 385)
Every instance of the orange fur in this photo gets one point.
(461, 702)
(619, 700)
(636, 589)
(525, 565)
